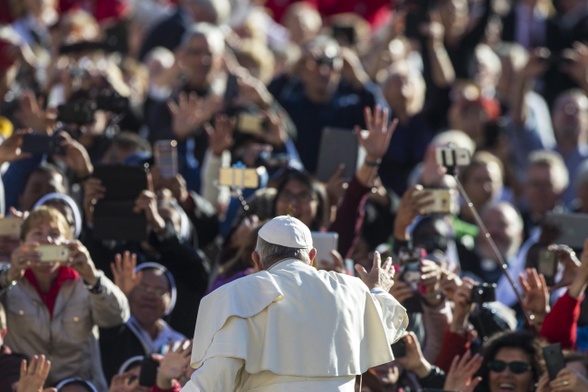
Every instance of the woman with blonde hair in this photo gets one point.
(55, 299)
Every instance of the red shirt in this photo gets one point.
(49, 298)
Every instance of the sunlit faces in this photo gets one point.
(507, 379)
(298, 200)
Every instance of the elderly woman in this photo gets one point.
(54, 307)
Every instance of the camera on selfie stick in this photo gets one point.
(239, 177)
(451, 157)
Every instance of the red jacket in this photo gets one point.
(561, 323)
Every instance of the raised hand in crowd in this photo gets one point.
(431, 281)
(81, 261)
(173, 364)
(535, 296)
(336, 186)
(190, 112)
(33, 375)
(460, 376)
(336, 263)
(381, 274)
(31, 114)
(275, 133)
(463, 306)
(353, 69)
(414, 360)
(251, 90)
(146, 202)
(123, 271)
(567, 257)
(567, 380)
(580, 282)
(220, 133)
(577, 66)
(413, 203)
(22, 258)
(76, 156)
(125, 382)
(450, 282)
(10, 150)
(93, 192)
(375, 141)
(402, 291)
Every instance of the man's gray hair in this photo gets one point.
(270, 254)
(213, 35)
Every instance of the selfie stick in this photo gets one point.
(452, 171)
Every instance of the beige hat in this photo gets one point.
(285, 230)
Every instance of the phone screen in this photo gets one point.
(166, 158)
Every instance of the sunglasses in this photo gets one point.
(515, 367)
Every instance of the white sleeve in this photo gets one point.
(215, 374)
(393, 314)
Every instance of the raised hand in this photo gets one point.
(414, 360)
(220, 135)
(379, 133)
(93, 191)
(336, 263)
(124, 382)
(536, 293)
(173, 364)
(569, 380)
(147, 202)
(568, 258)
(413, 203)
(380, 276)
(76, 156)
(81, 261)
(123, 271)
(190, 112)
(33, 376)
(459, 376)
(10, 148)
(336, 185)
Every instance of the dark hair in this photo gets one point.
(315, 186)
(131, 141)
(49, 169)
(520, 339)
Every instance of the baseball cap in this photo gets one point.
(285, 230)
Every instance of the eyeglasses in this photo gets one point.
(157, 291)
(304, 197)
(515, 367)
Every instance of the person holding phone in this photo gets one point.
(53, 306)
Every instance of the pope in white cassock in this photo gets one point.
(291, 327)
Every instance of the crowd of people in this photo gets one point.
(146, 143)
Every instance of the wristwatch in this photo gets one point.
(97, 288)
